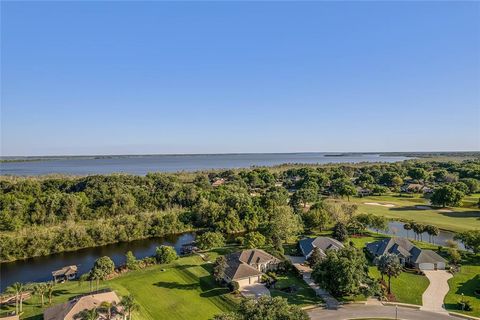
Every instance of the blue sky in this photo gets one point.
(193, 77)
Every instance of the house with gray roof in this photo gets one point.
(321, 243)
(408, 253)
(247, 266)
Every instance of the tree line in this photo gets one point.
(44, 215)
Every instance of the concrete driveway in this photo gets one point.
(254, 291)
(385, 312)
(432, 298)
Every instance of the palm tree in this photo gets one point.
(107, 307)
(17, 289)
(129, 305)
(49, 290)
(432, 231)
(407, 226)
(88, 315)
(389, 265)
(40, 289)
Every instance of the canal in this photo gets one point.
(40, 268)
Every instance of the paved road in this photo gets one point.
(254, 291)
(365, 311)
(432, 298)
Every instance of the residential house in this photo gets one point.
(409, 254)
(218, 182)
(71, 309)
(66, 273)
(362, 192)
(247, 266)
(322, 243)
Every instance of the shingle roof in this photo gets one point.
(240, 264)
(405, 248)
(322, 243)
(425, 256)
(68, 310)
(390, 245)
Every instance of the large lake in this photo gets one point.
(141, 165)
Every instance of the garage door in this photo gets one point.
(426, 266)
(243, 282)
(441, 265)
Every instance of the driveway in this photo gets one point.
(385, 312)
(254, 291)
(432, 298)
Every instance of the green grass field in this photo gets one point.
(407, 287)
(459, 219)
(185, 290)
(466, 281)
(304, 295)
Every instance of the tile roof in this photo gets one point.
(68, 310)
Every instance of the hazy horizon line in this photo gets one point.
(230, 153)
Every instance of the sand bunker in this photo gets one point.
(388, 205)
(445, 210)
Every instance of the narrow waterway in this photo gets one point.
(40, 268)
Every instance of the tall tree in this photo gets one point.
(340, 232)
(446, 195)
(219, 268)
(165, 254)
(343, 272)
(389, 265)
(40, 289)
(407, 226)
(129, 305)
(284, 223)
(209, 240)
(18, 289)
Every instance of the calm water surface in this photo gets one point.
(40, 268)
(141, 165)
(396, 228)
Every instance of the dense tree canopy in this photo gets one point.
(44, 215)
(209, 240)
(446, 195)
(342, 272)
(165, 254)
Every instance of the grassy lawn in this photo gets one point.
(460, 219)
(466, 281)
(185, 290)
(407, 288)
(304, 295)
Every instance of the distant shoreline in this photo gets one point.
(426, 154)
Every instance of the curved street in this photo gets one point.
(375, 311)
